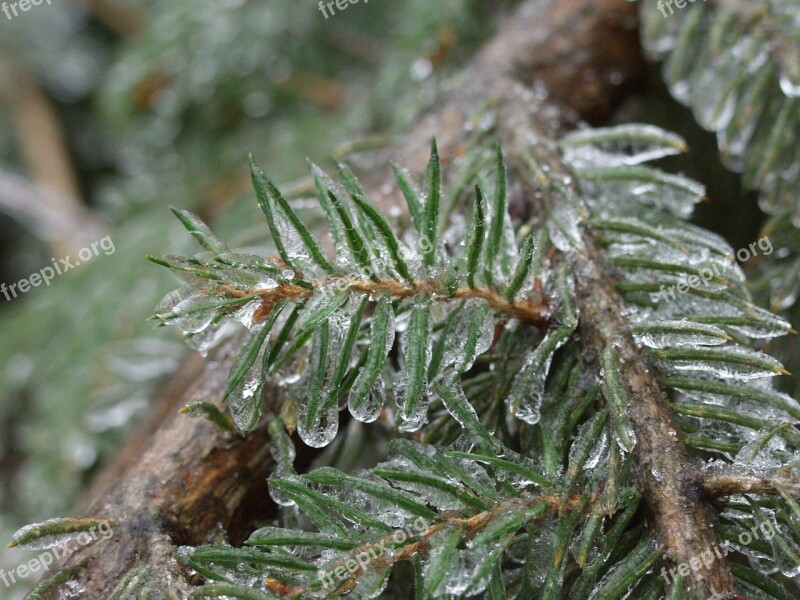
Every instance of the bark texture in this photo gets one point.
(686, 525)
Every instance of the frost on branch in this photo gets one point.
(326, 326)
(466, 335)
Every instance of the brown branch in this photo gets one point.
(589, 79)
(187, 480)
(534, 311)
(720, 485)
(685, 523)
(472, 525)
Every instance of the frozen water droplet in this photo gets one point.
(417, 418)
(211, 337)
(598, 452)
(283, 453)
(190, 311)
(245, 401)
(320, 433)
(527, 392)
(789, 87)
(246, 314)
(454, 354)
(370, 409)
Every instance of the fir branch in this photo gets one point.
(684, 525)
(528, 37)
(420, 544)
(535, 311)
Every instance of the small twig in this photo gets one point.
(472, 525)
(717, 486)
(529, 311)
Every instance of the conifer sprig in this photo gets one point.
(421, 276)
(488, 323)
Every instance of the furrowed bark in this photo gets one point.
(187, 479)
(685, 523)
(176, 485)
(683, 519)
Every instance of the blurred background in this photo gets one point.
(113, 110)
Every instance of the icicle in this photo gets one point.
(370, 408)
(472, 336)
(283, 453)
(245, 400)
(321, 432)
(527, 391)
(189, 310)
(364, 392)
(412, 396)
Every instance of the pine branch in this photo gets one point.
(662, 458)
(609, 180)
(709, 51)
(685, 525)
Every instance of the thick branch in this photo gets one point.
(188, 480)
(685, 524)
